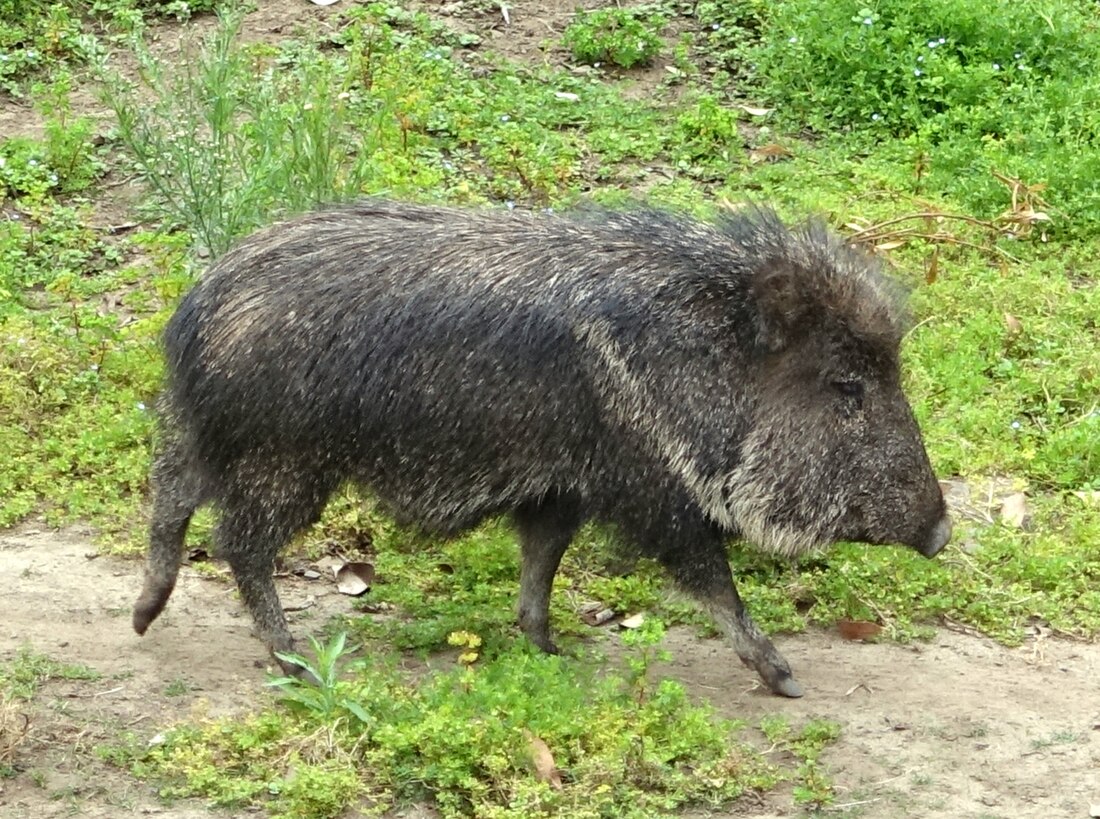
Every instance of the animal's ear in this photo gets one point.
(782, 305)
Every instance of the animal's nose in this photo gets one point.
(937, 538)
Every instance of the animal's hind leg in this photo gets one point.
(177, 492)
(251, 531)
(545, 531)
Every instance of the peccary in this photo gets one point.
(686, 383)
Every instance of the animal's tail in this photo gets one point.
(177, 493)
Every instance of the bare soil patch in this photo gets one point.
(958, 727)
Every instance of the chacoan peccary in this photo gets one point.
(687, 383)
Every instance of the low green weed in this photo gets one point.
(812, 785)
(466, 739)
(979, 87)
(320, 693)
(622, 37)
(23, 675)
(35, 34)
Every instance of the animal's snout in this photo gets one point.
(937, 538)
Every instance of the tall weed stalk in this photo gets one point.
(228, 138)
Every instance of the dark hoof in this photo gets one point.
(538, 633)
(787, 687)
(154, 597)
(141, 620)
(543, 642)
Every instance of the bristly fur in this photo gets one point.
(685, 381)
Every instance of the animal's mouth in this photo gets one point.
(937, 538)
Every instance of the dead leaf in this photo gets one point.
(354, 579)
(1090, 497)
(1013, 324)
(633, 622)
(933, 270)
(568, 96)
(756, 112)
(893, 245)
(772, 152)
(329, 563)
(596, 614)
(311, 574)
(858, 629)
(545, 769)
(1014, 511)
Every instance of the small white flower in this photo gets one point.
(596, 65)
(32, 163)
(1015, 424)
(942, 41)
(867, 21)
(31, 53)
(793, 40)
(1017, 55)
(920, 58)
(932, 44)
(876, 117)
(716, 26)
(996, 66)
(917, 72)
(141, 406)
(343, 95)
(504, 117)
(1021, 67)
(510, 205)
(3, 58)
(94, 368)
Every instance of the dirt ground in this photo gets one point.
(958, 727)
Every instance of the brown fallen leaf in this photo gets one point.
(1013, 324)
(756, 112)
(772, 152)
(1014, 511)
(543, 760)
(634, 621)
(354, 579)
(858, 629)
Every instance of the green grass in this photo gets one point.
(25, 673)
(1003, 365)
(464, 737)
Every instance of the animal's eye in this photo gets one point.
(849, 389)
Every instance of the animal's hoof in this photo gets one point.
(787, 687)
